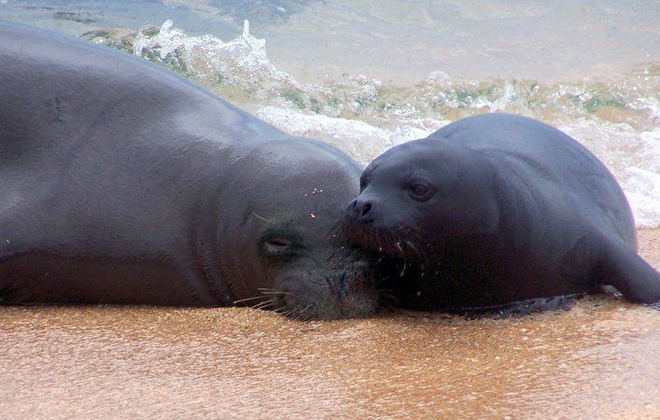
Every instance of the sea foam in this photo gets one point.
(618, 120)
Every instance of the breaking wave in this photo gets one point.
(618, 119)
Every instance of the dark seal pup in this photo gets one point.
(494, 209)
(121, 182)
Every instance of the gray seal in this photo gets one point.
(495, 209)
(121, 182)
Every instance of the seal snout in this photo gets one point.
(361, 210)
(345, 288)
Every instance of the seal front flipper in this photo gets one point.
(622, 268)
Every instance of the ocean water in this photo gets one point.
(367, 75)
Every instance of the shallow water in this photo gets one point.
(598, 359)
(401, 41)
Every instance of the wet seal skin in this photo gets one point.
(121, 182)
(495, 209)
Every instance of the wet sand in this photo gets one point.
(600, 359)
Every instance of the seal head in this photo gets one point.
(123, 183)
(280, 245)
(416, 197)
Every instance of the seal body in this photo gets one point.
(121, 182)
(495, 209)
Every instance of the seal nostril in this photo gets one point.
(366, 208)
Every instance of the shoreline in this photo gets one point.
(596, 360)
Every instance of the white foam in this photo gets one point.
(382, 116)
(361, 140)
(241, 62)
(634, 159)
(642, 188)
(650, 104)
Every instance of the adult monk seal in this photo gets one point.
(498, 208)
(121, 182)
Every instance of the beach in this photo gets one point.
(598, 359)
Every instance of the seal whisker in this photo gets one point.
(338, 232)
(379, 281)
(277, 293)
(415, 249)
(262, 218)
(403, 255)
(301, 312)
(390, 298)
(265, 304)
(284, 311)
(248, 299)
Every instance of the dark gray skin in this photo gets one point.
(121, 182)
(496, 209)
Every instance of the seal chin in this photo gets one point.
(335, 293)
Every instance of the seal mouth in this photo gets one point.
(338, 301)
(398, 257)
(295, 306)
(398, 243)
(320, 284)
(344, 288)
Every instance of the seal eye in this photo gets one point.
(277, 245)
(280, 244)
(420, 192)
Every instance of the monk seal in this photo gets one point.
(121, 182)
(494, 209)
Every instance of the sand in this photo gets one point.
(599, 359)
